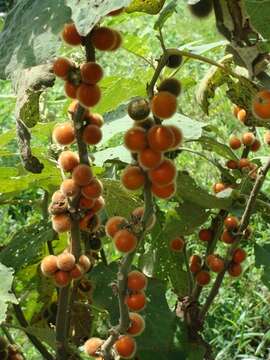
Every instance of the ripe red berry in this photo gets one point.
(136, 281)
(239, 255)
(125, 241)
(235, 270)
(203, 278)
(177, 244)
(231, 223)
(206, 235)
(125, 347)
(136, 301)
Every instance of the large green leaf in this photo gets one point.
(192, 129)
(6, 295)
(25, 245)
(211, 144)
(259, 12)
(262, 258)
(115, 153)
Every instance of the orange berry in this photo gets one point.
(227, 237)
(70, 89)
(113, 225)
(232, 164)
(164, 192)
(248, 138)
(125, 241)
(91, 73)
(82, 175)
(236, 110)
(136, 281)
(178, 136)
(64, 134)
(206, 235)
(62, 67)
(203, 278)
(68, 160)
(177, 244)
(70, 35)
(137, 324)
(214, 263)
(164, 105)
(76, 273)
(99, 204)
(92, 135)
(93, 190)
(49, 265)
(62, 278)
(125, 347)
(92, 345)
(88, 95)
(136, 301)
(235, 270)
(69, 188)
(239, 255)
(66, 261)
(195, 263)
(267, 137)
(115, 12)
(261, 105)
(61, 223)
(84, 262)
(132, 177)
(138, 109)
(218, 187)
(231, 223)
(149, 158)
(160, 138)
(243, 163)
(118, 40)
(103, 38)
(235, 142)
(135, 139)
(58, 197)
(164, 174)
(242, 115)
(86, 203)
(256, 145)
(95, 119)
(138, 214)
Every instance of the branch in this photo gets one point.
(61, 324)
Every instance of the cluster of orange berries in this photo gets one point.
(149, 142)
(125, 346)
(63, 268)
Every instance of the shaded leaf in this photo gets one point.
(211, 144)
(262, 258)
(165, 14)
(6, 295)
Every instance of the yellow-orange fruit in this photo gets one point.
(95, 119)
(64, 134)
(125, 347)
(88, 95)
(164, 174)
(227, 237)
(125, 241)
(177, 244)
(68, 160)
(62, 278)
(66, 261)
(138, 214)
(61, 223)
(92, 135)
(99, 204)
(248, 138)
(132, 178)
(49, 265)
(70, 89)
(103, 38)
(70, 35)
(261, 105)
(137, 324)
(235, 142)
(82, 175)
(69, 188)
(218, 187)
(135, 139)
(85, 262)
(235, 270)
(85, 203)
(92, 345)
(236, 109)
(178, 136)
(113, 225)
(242, 115)
(62, 67)
(91, 73)
(160, 138)
(164, 192)
(195, 263)
(136, 281)
(93, 190)
(203, 278)
(164, 105)
(149, 158)
(77, 272)
(136, 301)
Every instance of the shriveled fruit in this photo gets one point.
(103, 38)
(136, 281)
(61, 223)
(164, 192)
(66, 261)
(93, 190)
(125, 241)
(239, 255)
(149, 158)
(227, 237)
(160, 138)
(195, 263)
(235, 270)
(171, 85)
(49, 265)
(92, 345)
(177, 244)
(136, 301)
(82, 175)
(203, 278)
(68, 160)
(137, 324)
(248, 138)
(138, 109)
(62, 67)
(135, 139)
(132, 178)
(69, 188)
(92, 135)
(125, 347)
(70, 35)
(235, 143)
(164, 174)
(64, 134)
(91, 72)
(114, 224)
(261, 105)
(88, 95)
(62, 278)
(164, 104)
(206, 235)
(231, 223)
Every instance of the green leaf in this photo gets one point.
(25, 245)
(188, 190)
(6, 295)
(192, 129)
(149, 6)
(115, 127)
(262, 258)
(211, 144)
(7, 137)
(46, 335)
(115, 153)
(165, 14)
(25, 43)
(259, 12)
